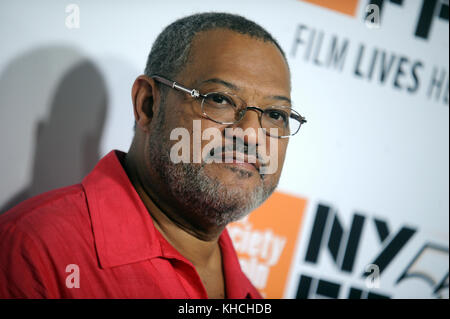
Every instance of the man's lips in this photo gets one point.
(240, 159)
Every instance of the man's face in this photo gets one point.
(222, 61)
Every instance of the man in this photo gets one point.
(143, 224)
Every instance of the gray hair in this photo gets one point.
(171, 49)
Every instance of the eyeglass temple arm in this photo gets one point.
(300, 118)
(175, 85)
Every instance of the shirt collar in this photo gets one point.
(237, 284)
(123, 229)
(124, 232)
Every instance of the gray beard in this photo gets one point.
(201, 194)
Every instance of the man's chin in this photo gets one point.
(233, 173)
(220, 192)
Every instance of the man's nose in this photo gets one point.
(249, 125)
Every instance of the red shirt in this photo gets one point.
(101, 231)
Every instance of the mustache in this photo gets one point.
(239, 150)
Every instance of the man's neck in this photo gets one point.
(202, 252)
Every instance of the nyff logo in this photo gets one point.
(430, 10)
(329, 234)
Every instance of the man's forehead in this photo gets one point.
(236, 58)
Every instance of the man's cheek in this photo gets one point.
(270, 154)
(271, 168)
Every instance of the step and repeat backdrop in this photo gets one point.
(362, 208)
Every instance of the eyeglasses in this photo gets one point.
(227, 108)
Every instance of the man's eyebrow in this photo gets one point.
(219, 81)
(236, 88)
(280, 98)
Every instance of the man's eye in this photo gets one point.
(277, 116)
(221, 99)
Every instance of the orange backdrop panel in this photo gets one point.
(266, 239)
(342, 6)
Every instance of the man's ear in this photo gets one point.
(145, 96)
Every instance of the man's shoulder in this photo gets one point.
(56, 210)
(37, 239)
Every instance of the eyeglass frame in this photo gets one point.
(196, 94)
